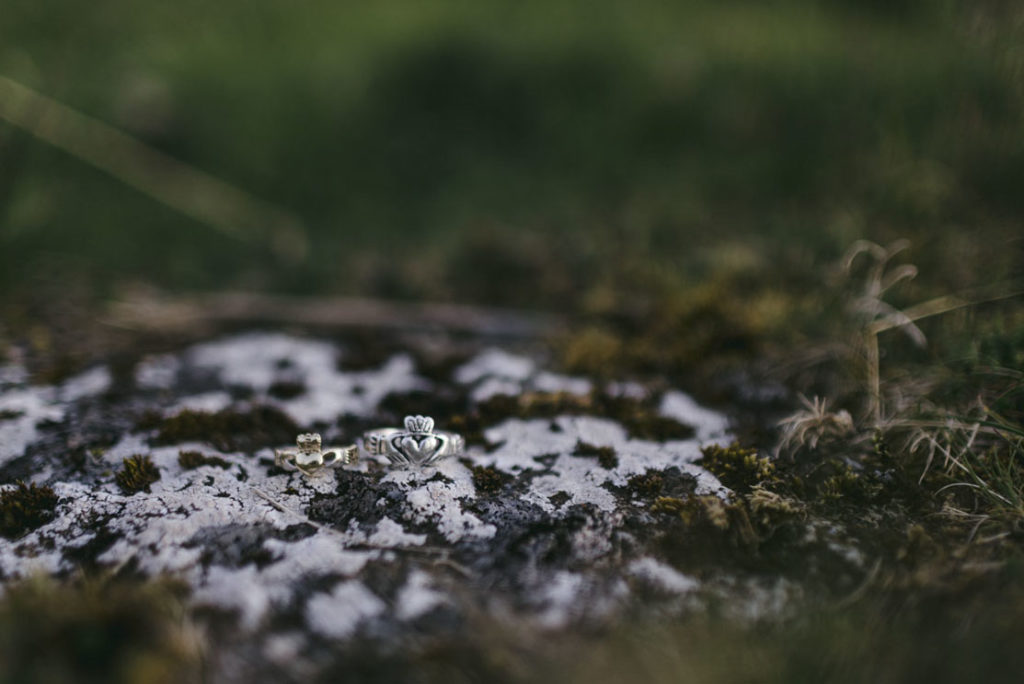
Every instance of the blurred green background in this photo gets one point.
(677, 176)
(536, 153)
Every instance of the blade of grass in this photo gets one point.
(192, 192)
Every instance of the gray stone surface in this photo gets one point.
(367, 551)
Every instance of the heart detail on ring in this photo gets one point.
(419, 451)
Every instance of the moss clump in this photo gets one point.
(489, 479)
(194, 459)
(606, 456)
(769, 509)
(668, 505)
(137, 474)
(651, 483)
(746, 523)
(738, 468)
(695, 510)
(91, 632)
(25, 508)
(225, 430)
(845, 485)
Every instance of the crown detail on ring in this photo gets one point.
(308, 443)
(419, 425)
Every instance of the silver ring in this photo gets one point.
(417, 444)
(309, 458)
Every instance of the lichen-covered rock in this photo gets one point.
(546, 520)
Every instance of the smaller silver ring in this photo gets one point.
(418, 444)
(309, 458)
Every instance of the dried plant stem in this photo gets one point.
(874, 376)
(932, 307)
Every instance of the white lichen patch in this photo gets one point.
(89, 383)
(210, 402)
(559, 599)
(711, 426)
(748, 600)
(417, 597)
(525, 443)
(495, 372)
(661, 576)
(156, 532)
(284, 649)
(259, 360)
(12, 374)
(495, 363)
(390, 534)
(439, 501)
(339, 613)
(23, 410)
(133, 444)
(157, 372)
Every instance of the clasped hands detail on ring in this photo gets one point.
(417, 445)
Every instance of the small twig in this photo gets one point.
(147, 311)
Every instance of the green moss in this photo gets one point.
(827, 481)
(194, 459)
(745, 523)
(695, 510)
(737, 467)
(137, 474)
(651, 483)
(488, 479)
(880, 445)
(25, 508)
(669, 505)
(769, 509)
(90, 632)
(606, 456)
(844, 485)
(225, 430)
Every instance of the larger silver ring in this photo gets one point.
(309, 458)
(417, 444)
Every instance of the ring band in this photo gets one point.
(309, 458)
(417, 444)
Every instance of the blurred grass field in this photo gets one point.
(535, 153)
(678, 177)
